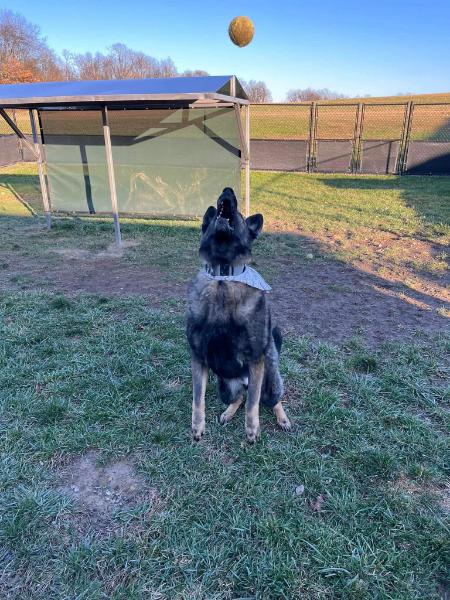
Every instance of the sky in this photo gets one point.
(352, 47)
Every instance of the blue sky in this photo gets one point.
(353, 47)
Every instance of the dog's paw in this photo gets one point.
(252, 434)
(225, 418)
(284, 424)
(198, 431)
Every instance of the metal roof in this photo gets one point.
(59, 93)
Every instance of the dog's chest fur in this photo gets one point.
(228, 324)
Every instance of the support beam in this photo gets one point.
(244, 138)
(242, 135)
(247, 162)
(112, 180)
(42, 181)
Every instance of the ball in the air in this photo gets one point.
(241, 31)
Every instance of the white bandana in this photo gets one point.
(249, 276)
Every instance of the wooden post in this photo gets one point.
(111, 178)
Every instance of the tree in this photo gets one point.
(120, 62)
(14, 71)
(24, 53)
(195, 73)
(257, 91)
(309, 94)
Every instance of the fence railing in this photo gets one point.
(363, 137)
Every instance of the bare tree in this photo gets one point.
(120, 62)
(257, 91)
(25, 57)
(308, 94)
(24, 50)
(195, 73)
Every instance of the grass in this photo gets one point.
(85, 372)
(352, 504)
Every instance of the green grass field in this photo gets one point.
(352, 504)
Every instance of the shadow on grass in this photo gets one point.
(431, 205)
(314, 293)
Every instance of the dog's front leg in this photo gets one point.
(255, 379)
(199, 380)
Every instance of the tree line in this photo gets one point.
(25, 57)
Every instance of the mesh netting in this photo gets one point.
(280, 121)
(336, 122)
(428, 149)
(166, 162)
(431, 122)
(12, 148)
(383, 121)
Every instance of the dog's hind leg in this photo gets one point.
(199, 381)
(255, 380)
(232, 409)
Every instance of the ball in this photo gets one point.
(241, 31)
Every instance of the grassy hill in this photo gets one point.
(419, 98)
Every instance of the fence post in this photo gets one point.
(311, 164)
(357, 137)
(402, 155)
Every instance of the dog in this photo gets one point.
(229, 324)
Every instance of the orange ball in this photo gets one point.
(241, 31)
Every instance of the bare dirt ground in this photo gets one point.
(322, 298)
(99, 492)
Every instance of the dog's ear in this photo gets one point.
(208, 217)
(255, 224)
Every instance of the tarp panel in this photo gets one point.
(166, 162)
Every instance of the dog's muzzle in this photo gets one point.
(223, 225)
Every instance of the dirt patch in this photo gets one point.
(99, 492)
(326, 299)
(72, 253)
(104, 275)
(411, 487)
(113, 251)
(335, 302)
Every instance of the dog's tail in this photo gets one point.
(277, 338)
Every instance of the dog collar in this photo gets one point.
(224, 270)
(247, 275)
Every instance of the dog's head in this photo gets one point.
(227, 237)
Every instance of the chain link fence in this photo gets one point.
(363, 137)
(344, 137)
(428, 148)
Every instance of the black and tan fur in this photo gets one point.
(229, 325)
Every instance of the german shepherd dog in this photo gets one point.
(229, 325)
